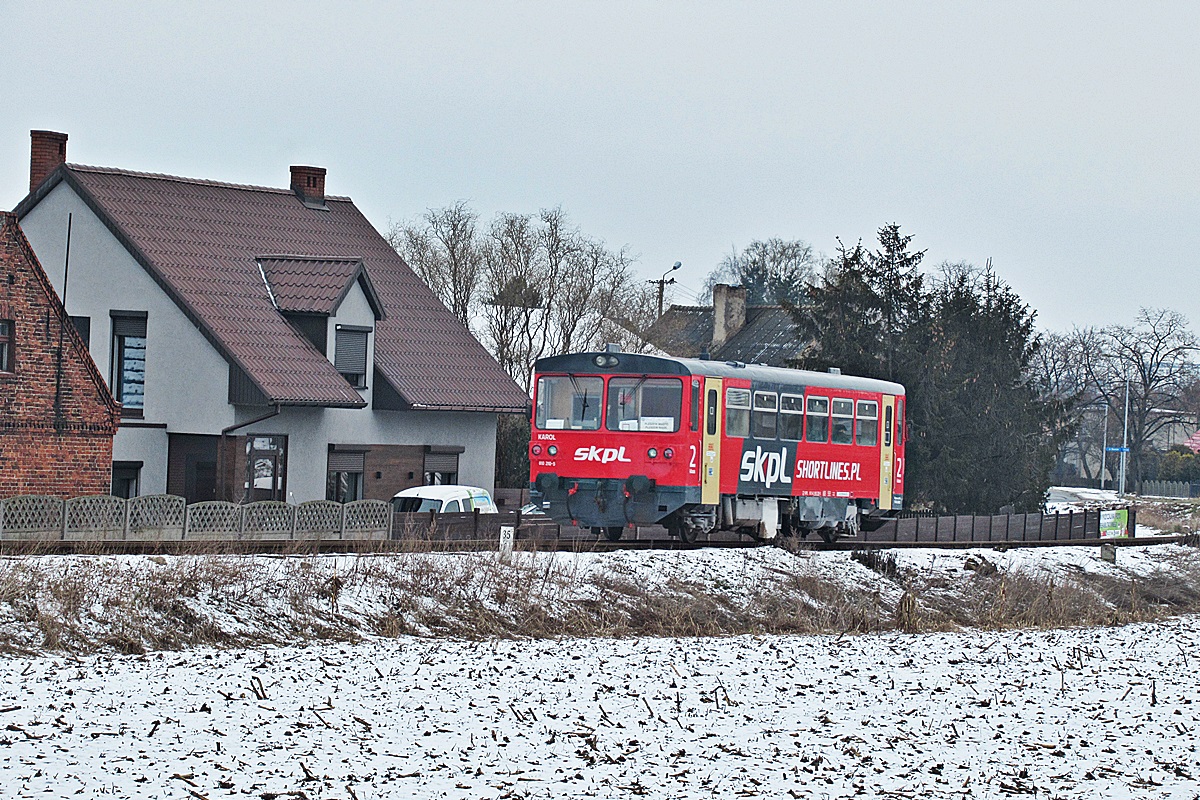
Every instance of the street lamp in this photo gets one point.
(662, 283)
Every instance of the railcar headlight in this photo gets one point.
(652, 452)
(552, 450)
(536, 449)
(599, 361)
(668, 453)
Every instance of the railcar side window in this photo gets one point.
(887, 426)
(843, 421)
(899, 420)
(571, 403)
(791, 417)
(644, 404)
(866, 427)
(817, 420)
(737, 413)
(711, 425)
(763, 422)
(695, 405)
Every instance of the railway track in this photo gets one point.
(284, 547)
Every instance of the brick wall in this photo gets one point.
(47, 150)
(57, 417)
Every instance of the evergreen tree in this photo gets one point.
(983, 437)
(980, 434)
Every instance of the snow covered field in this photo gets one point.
(1078, 713)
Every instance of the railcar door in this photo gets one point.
(710, 457)
(887, 452)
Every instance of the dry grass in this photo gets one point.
(84, 604)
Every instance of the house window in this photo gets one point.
(7, 359)
(128, 378)
(126, 478)
(350, 354)
(344, 478)
(266, 468)
(83, 325)
(441, 468)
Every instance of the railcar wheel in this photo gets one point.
(828, 535)
(613, 533)
(687, 534)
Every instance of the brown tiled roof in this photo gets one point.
(313, 284)
(768, 337)
(201, 240)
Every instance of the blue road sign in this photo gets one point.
(1117, 449)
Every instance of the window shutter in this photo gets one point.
(129, 326)
(350, 352)
(441, 462)
(346, 462)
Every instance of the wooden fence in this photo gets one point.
(1072, 526)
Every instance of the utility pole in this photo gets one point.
(1104, 448)
(1125, 439)
(662, 284)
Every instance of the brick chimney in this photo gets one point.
(309, 185)
(729, 313)
(47, 150)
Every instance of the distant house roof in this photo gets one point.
(1193, 442)
(215, 249)
(768, 336)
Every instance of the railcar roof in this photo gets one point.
(638, 364)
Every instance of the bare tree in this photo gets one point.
(552, 290)
(1155, 355)
(773, 271)
(444, 248)
(529, 286)
(1058, 373)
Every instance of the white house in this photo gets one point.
(265, 343)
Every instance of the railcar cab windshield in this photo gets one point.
(631, 403)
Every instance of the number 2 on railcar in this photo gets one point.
(623, 439)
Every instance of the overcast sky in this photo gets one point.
(1058, 139)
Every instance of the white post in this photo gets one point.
(1125, 439)
(1104, 448)
(507, 533)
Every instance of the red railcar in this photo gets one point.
(622, 439)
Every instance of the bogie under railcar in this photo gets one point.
(623, 439)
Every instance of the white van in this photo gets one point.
(449, 499)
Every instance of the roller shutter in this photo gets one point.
(128, 325)
(441, 462)
(350, 352)
(346, 462)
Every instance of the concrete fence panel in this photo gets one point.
(318, 519)
(31, 517)
(156, 517)
(213, 519)
(366, 519)
(268, 519)
(101, 517)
